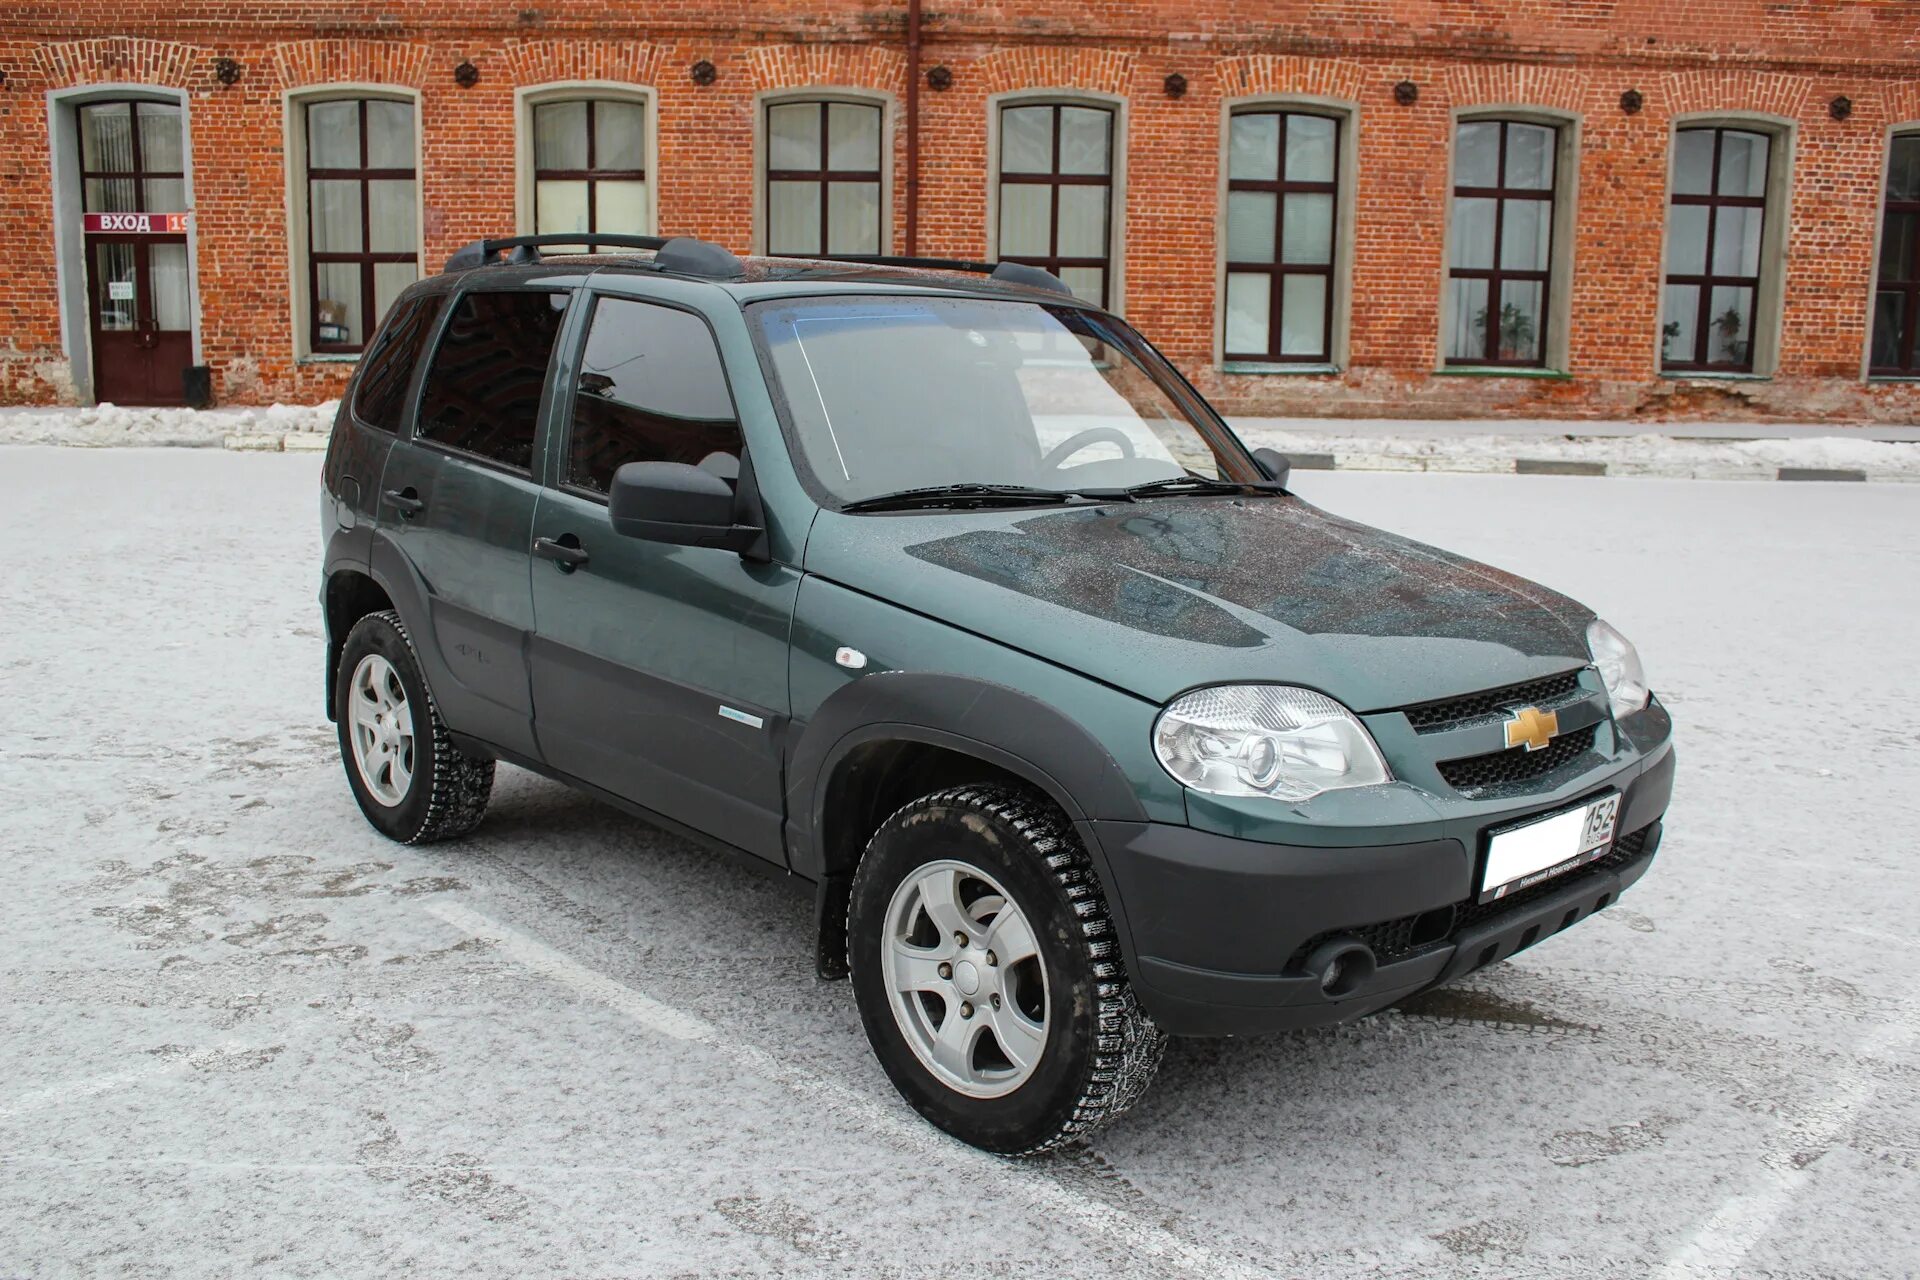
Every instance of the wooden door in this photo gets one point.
(141, 304)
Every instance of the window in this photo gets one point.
(1715, 223)
(1282, 171)
(379, 398)
(482, 393)
(363, 235)
(823, 179)
(1056, 193)
(1501, 236)
(1896, 301)
(132, 158)
(590, 166)
(651, 390)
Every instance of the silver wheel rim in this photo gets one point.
(380, 727)
(965, 979)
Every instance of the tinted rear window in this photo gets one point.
(482, 393)
(379, 398)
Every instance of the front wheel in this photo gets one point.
(988, 976)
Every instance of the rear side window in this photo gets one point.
(482, 394)
(379, 398)
(651, 389)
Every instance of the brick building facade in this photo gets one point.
(1659, 208)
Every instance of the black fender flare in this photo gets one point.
(374, 556)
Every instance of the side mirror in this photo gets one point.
(1275, 464)
(674, 503)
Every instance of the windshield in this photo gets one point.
(885, 394)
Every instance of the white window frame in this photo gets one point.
(1116, 213)
(889, 113)
(527, 97)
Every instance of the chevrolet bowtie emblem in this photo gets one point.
(1532, 728)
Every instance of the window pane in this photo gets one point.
(336, 304)
(114, 265)
(389, 134)
(1086, 282)
(1303, 315)
(161, 147)
(1897, 247)
(1530, 157)
(1889, 317)
(334, 212)
(651, 390)
(333, 135)
(1687, 240)
(112, 195)
(1467, 321)
(390, 207)
(1679, 312)
(621, 206)
(1083, 222)
(1743, 164)
(793, 217)
(853, 217)
(560, 135)
(1249, 297)
(1250, 225)
(619, 135)
(1526, 233)
(1310, 148)
(1730, 326)
(1026, 140)
(482, 392)
(172, 297)
(390, 280)
(1736, 241)
(165, 195)
(106, 139)
(1476, 155)
(853, 137)
(560, 205)
(1025, 212)
(1693, 162)
(1253, 147)
(1473, 232)
(1521, 306)
(1084, 138)
(1903, 168)
(379, 394)
(793, 136)
(1306, 230)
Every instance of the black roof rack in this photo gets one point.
(681, 255)
(1005, 272)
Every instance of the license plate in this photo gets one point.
(1523, 856)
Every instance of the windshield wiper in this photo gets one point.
(1188, 483)
(949, 495)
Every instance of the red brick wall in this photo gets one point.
(1787, 60)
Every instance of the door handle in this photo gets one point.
(407, 501)
(565, 551)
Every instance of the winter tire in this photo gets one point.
(987, 973)
(412, 783)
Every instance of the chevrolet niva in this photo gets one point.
(939, 590)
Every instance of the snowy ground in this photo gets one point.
(239, 1033)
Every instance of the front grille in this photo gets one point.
(1394, 939)
(1452, 713)
(1497, 771)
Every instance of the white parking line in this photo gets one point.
(1721, 1243)
(94, 1086)
(1105, 1222)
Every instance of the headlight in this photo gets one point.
(1265, 740)
(1620, 669)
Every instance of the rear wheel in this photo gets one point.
(987, 973)
(412, 783)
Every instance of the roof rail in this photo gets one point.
(527, 248)
(1005, 272)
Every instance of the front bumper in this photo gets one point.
(1215, 928)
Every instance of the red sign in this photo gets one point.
(146, 224)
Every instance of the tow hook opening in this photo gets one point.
(1343, 965)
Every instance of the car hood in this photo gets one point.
(1160, 596)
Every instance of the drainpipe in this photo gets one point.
(913, 127)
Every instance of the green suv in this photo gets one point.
(941, 592)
